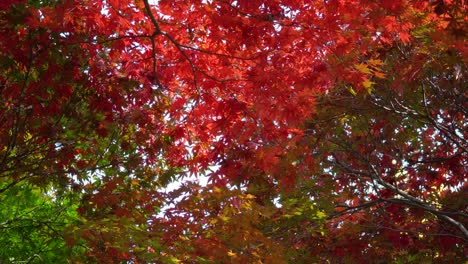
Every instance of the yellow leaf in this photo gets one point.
(250, 196)
(320, 215)
(174, 260)
(352, 91)
(224, 218)
(135, 182)
(368, 85)
(375, 62)
(231, 254)
(183, 237)
(27, 136)
(379, 74)
(256, 254)
(362, 68)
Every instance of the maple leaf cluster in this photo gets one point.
(326, 130)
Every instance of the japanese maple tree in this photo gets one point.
(328, 130)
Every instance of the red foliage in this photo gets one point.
(124, 96)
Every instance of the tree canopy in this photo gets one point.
(326, 131)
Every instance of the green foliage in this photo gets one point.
(32, 225)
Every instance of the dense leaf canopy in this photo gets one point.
(249, 131)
